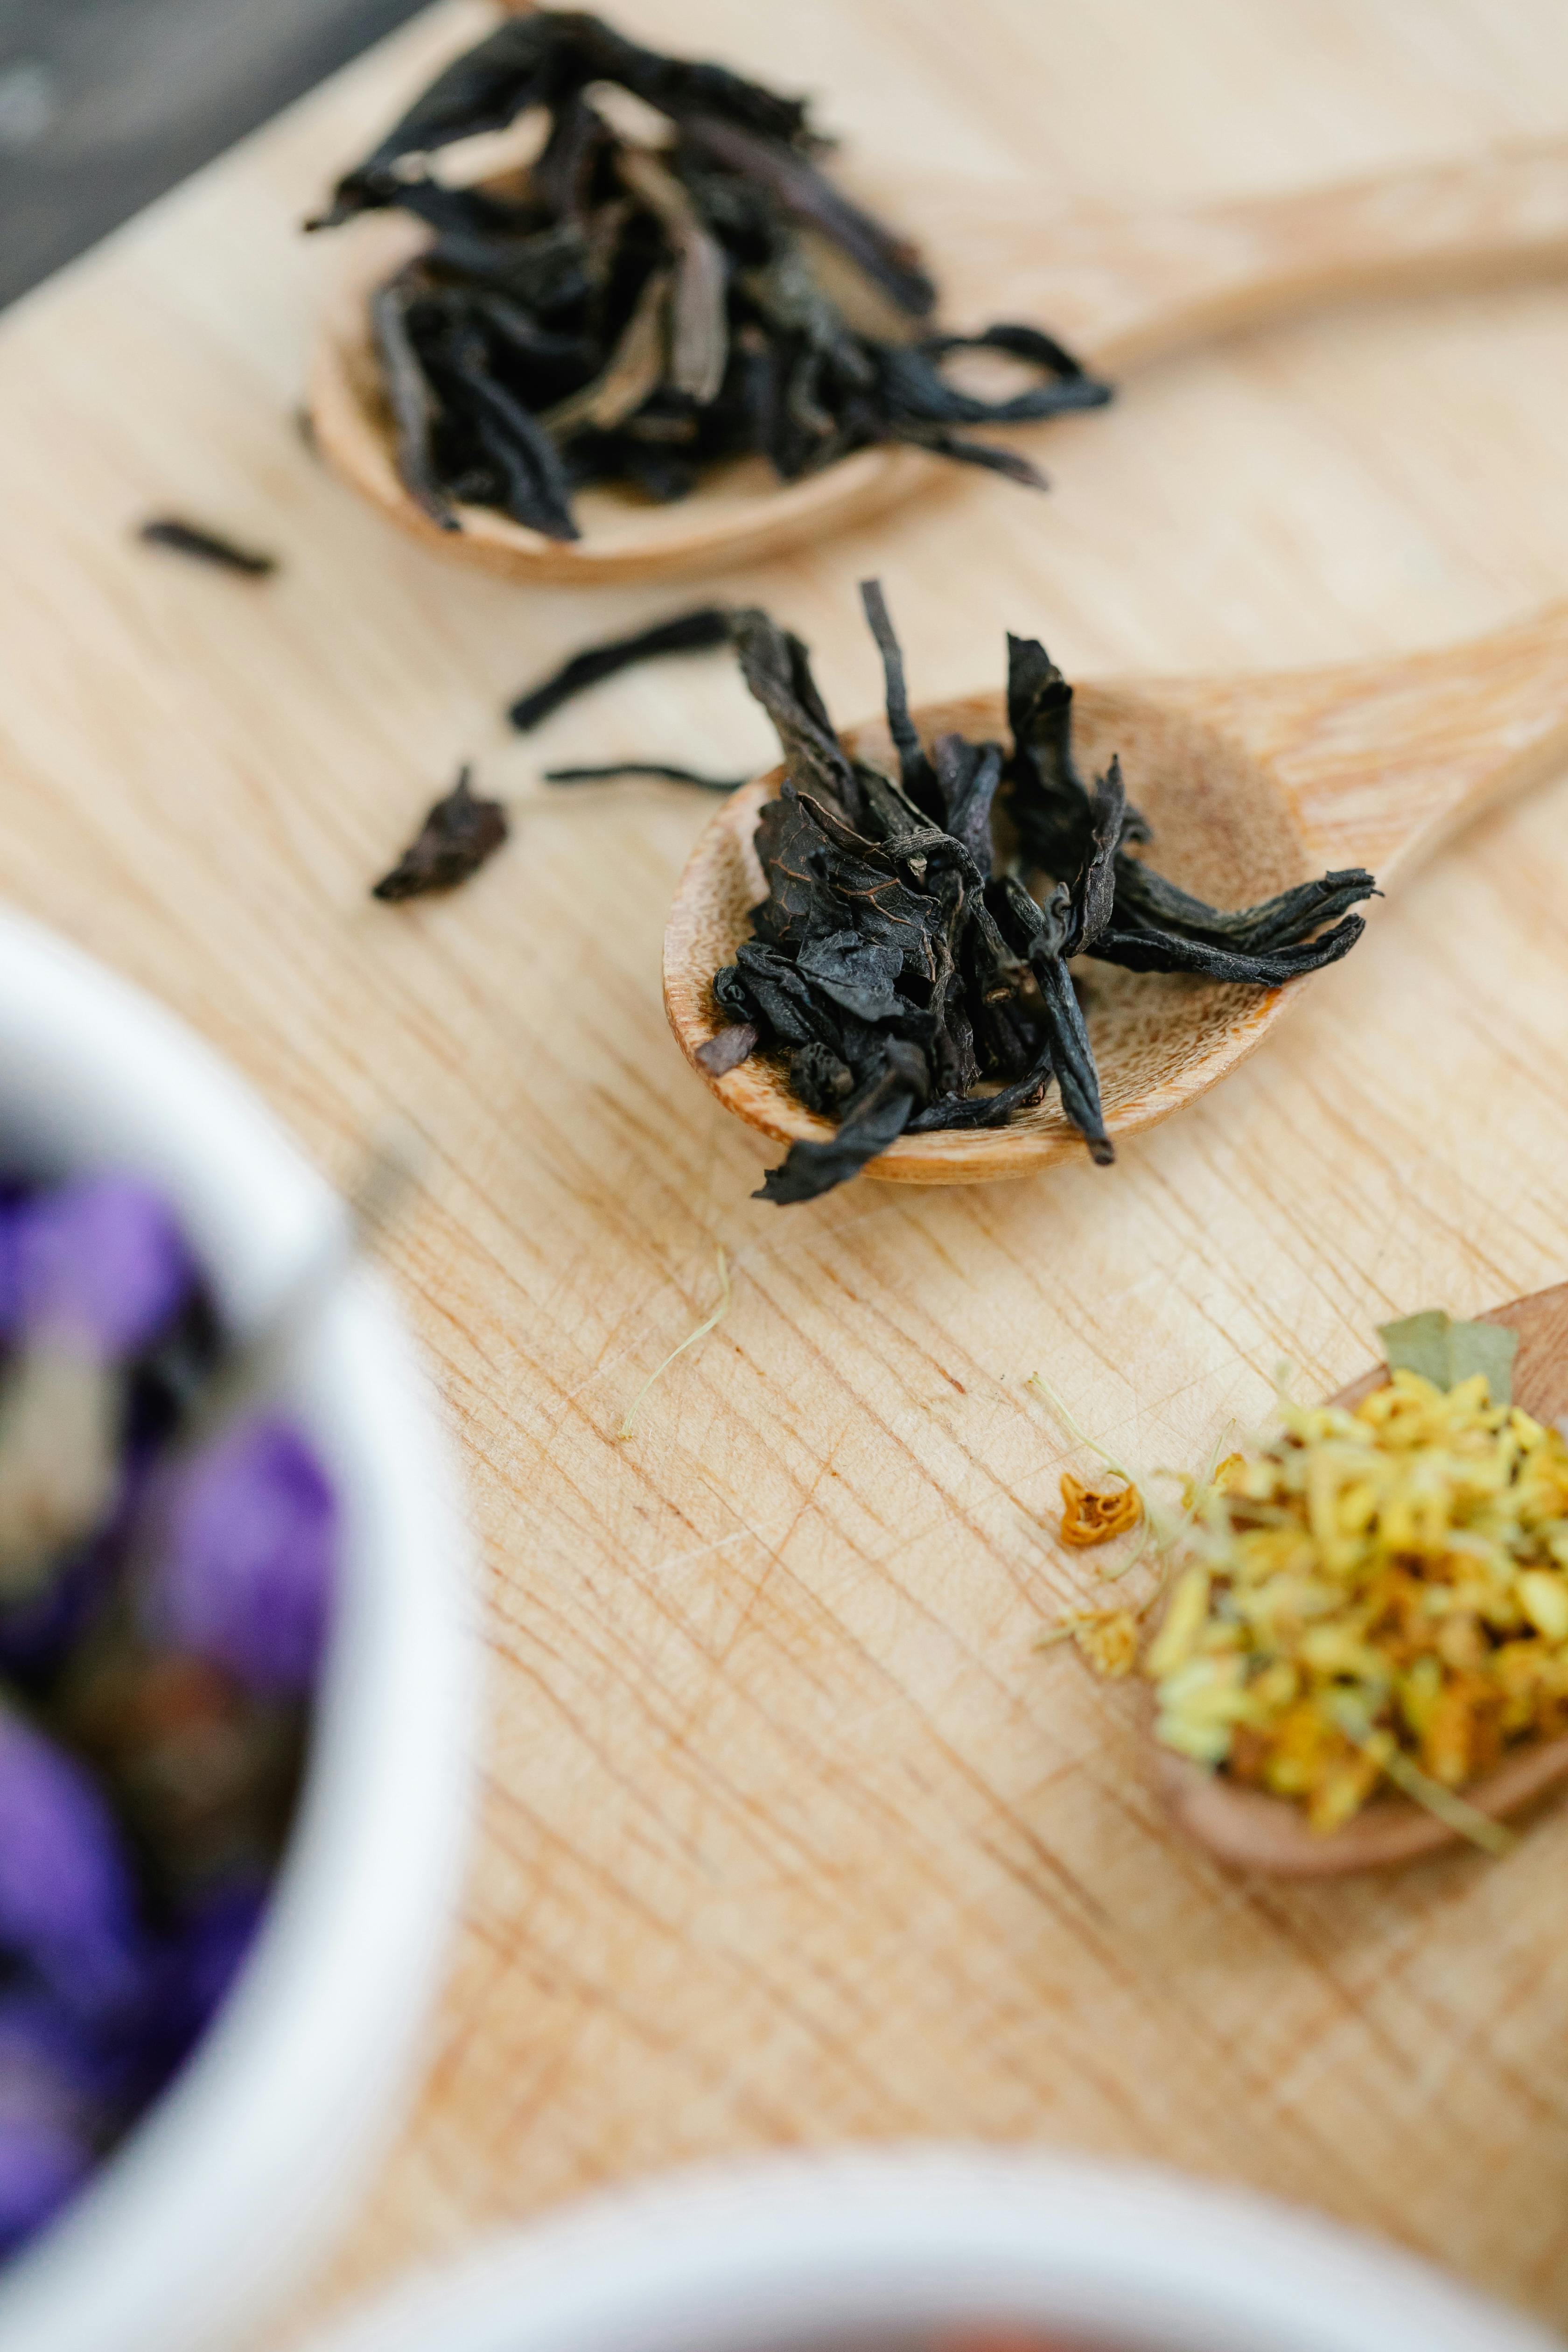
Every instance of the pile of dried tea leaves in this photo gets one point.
(632, 309)
(914, 975)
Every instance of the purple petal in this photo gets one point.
(44, 2114)
(37, 1629)
(10, 1265)
(247, 1576)
(188, 1981)
(101, 1260)
(211, 1947)
(42, 2163)
(66, 1900)
(216, 1943)
(44, 2061)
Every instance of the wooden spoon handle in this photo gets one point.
(1126, 287)
(1383, 759)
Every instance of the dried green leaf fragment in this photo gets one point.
(1445, 1353)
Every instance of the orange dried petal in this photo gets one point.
(1090, 1517)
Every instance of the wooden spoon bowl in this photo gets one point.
(742, 510)
(1253, 1831)
(1250, 785)
(1224, 829)
(1123, 288)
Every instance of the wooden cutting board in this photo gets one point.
(790, 1834)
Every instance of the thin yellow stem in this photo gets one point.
(691, 1341)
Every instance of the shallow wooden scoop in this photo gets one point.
(1121, 288)
(1250, 785)
(1257, 1832)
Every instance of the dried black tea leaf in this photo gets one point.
(657, 768)
(411, 400)
(207, 547)
(875, 1115)
(729, 1049)
(634, 312)
(456, 838)
(686, 633)
(909, 974)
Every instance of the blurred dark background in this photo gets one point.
(105, 103)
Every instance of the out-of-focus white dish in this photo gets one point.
(234, 2180)
(892, 2248)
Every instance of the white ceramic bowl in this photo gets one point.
(885, 2249)
(236, 2177)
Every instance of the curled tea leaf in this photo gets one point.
(657, 769)
(684, 633)
(458, 834)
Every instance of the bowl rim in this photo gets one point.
(213, 2206)
(807, 2248)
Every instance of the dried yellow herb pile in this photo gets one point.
(1380, 1593)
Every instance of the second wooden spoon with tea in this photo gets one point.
(1250, 784)
(1122, 288)
(1257, 1832)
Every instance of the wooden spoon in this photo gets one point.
(1257, 1832)
(1122, 288)
(1250, 785)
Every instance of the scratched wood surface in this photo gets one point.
(789, 1833)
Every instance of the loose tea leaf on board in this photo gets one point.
(616, 769)
(458, 834)
(907, 974)
(683, 633)
(207, 547)
(635, 310)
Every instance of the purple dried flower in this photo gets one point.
(211, 1947)
(45, 2142)
(101, 1263)
(65, 1899)
(11, 1211)
(42, 2161)
(60, 1414)
(247, 1573)
(40, 1625)
(188, 1981)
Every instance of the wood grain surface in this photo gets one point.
(790, 1834)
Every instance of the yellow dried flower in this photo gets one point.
(1108, 1638)
(1374, 1595)
(1092, 1517)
